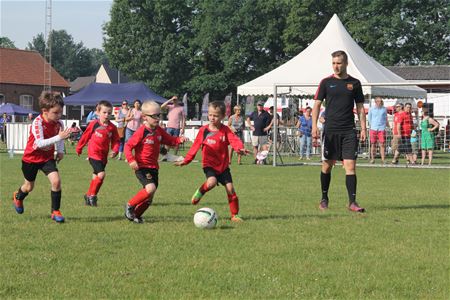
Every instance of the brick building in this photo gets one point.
(22, 78)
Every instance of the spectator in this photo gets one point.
(121, 126)
(134, 119)
(404, 128)
(3, 120)
(377, 122)
(236, 124)
(261, 121)
(304, 125)
(279, 122)
(414, 145)
(396, 136)
(29, 118)
(75, 133)
(428, 127)
(176, 119)
(92, 116)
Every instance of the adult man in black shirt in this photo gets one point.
(261, 125)
(341, 91)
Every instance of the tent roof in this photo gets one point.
(114, 93)
(14, 109)
(314, 63)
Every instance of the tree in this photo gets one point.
(5, 42)
(70, 59)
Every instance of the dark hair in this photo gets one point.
(104, 103)
(407, 103)
(218, 104)
(48, 100)
(308, 107)
(74, 124)
(138, 101)
(340, 53)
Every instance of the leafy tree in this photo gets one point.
(5, 42)
(70, 59)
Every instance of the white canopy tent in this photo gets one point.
(314, 63)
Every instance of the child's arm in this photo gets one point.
(60, 146)
(115, 142)
(130, 145)
(85, 137)
(194, 149)
(235, 142)
(38, 132)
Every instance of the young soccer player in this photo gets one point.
(146, 142)
(214, 139)
(100, 133)
(46, 131)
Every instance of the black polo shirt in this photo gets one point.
(341, 96)
(260, 121)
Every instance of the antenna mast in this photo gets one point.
(48, 46)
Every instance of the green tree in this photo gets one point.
(70, 59)
(5, 42)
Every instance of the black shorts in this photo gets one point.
(147, 176)
(97, 165)
(405, 146)
(30, 170)
(222, 178)
(340, 145)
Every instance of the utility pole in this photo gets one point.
(48, 46)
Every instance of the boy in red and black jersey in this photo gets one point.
(46, 131)
(214, 139)
(100, 134)
(146, 143)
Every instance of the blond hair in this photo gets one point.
(236, 107)
(147, 105)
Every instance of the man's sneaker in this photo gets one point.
(355, 207)
(236, 219)
(129, 212)
(138, 220)
(18, 204)
(196, 197)
(323, 205)
(57, 216)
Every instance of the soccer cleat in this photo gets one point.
(57, 216)
(196, 197)
(355, 207)
(129, 212)
(86, 200)
(323, 205)
(18, 204)
(236, 219)
(138, 220)
(93, 200)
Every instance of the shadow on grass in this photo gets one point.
(97, 219)
(172, 204)
(420, 206)
(287, 217)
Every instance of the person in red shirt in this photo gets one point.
(214, 139)
(100, 134)
(403, 128)
(396, 137)
(146, 143)
(46, 131)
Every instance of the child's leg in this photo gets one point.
(208, 185)
(233, 200)
(55, 182)
(141, 207)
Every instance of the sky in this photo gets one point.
(20, 21)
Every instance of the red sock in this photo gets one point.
(204, 188)
(140, 197)
(233, 201)
(95, 185)
(98, 185)
(141, 208)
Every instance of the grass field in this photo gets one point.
(286, 248)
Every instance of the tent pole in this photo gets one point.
(275, 127)
(368, 135)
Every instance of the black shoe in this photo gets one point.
(138, 220)
(93, 200)
(129, 212)
(87, 202)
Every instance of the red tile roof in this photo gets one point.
(26, 67)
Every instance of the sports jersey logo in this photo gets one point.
(210, 142)
(149, 142)
(148, 175)
(350, 86)
(332, 86)
(98, 134)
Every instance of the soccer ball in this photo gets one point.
(205, 218)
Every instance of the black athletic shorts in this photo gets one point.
(340, 145)
(405, 146)
(147, 176)
(30, 170)
(222, 178)
(97, 165)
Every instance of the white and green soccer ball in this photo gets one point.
(205, 218)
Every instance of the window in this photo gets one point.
(26, 101)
